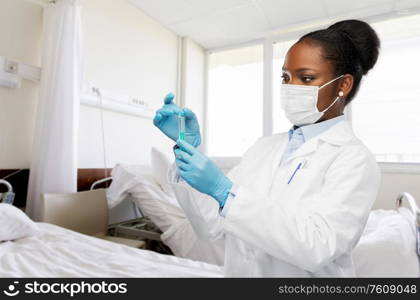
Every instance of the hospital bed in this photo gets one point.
(389, 246)
(29, 249)
(48, 250)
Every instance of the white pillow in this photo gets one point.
(14, 224)
(155, 203)
(161, 164)
(141, 185)
(124, 177)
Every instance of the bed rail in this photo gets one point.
(97, 182)
(414, 209)
(7, 184)
(9, 196)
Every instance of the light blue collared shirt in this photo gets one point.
(300, 135)
(297, 137)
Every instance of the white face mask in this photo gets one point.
(299, 102)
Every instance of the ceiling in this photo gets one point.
(221, 23)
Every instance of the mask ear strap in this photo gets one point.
(336, 99)
(325, 84)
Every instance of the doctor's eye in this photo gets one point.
(285, 78)
(307, 79)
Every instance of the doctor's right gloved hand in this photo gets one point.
(201, 172)
(166, 119)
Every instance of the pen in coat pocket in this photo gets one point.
(300, 166)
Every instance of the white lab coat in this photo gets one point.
(307, 228)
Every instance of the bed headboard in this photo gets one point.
(19, 181)
(86, 177)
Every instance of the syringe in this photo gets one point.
(181, 125)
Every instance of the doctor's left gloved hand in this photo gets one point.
(201, 173)
(166, 119)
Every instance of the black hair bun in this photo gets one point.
(364, 39)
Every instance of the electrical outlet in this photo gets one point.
(137, 101)
(12, 66)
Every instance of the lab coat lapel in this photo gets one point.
(339, 134)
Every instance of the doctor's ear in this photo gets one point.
(346, 84)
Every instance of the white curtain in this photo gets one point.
(54, 157)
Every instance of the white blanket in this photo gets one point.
(59, 252)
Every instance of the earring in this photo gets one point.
(340, 93)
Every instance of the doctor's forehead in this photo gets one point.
(305, 56)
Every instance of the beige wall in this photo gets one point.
(20, 39)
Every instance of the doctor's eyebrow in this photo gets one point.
(300, 70)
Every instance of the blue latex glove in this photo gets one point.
(201, 173)
(166, 119)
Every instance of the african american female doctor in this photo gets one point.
(297, 203)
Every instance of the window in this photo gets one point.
(235, 100)
(386, 112)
